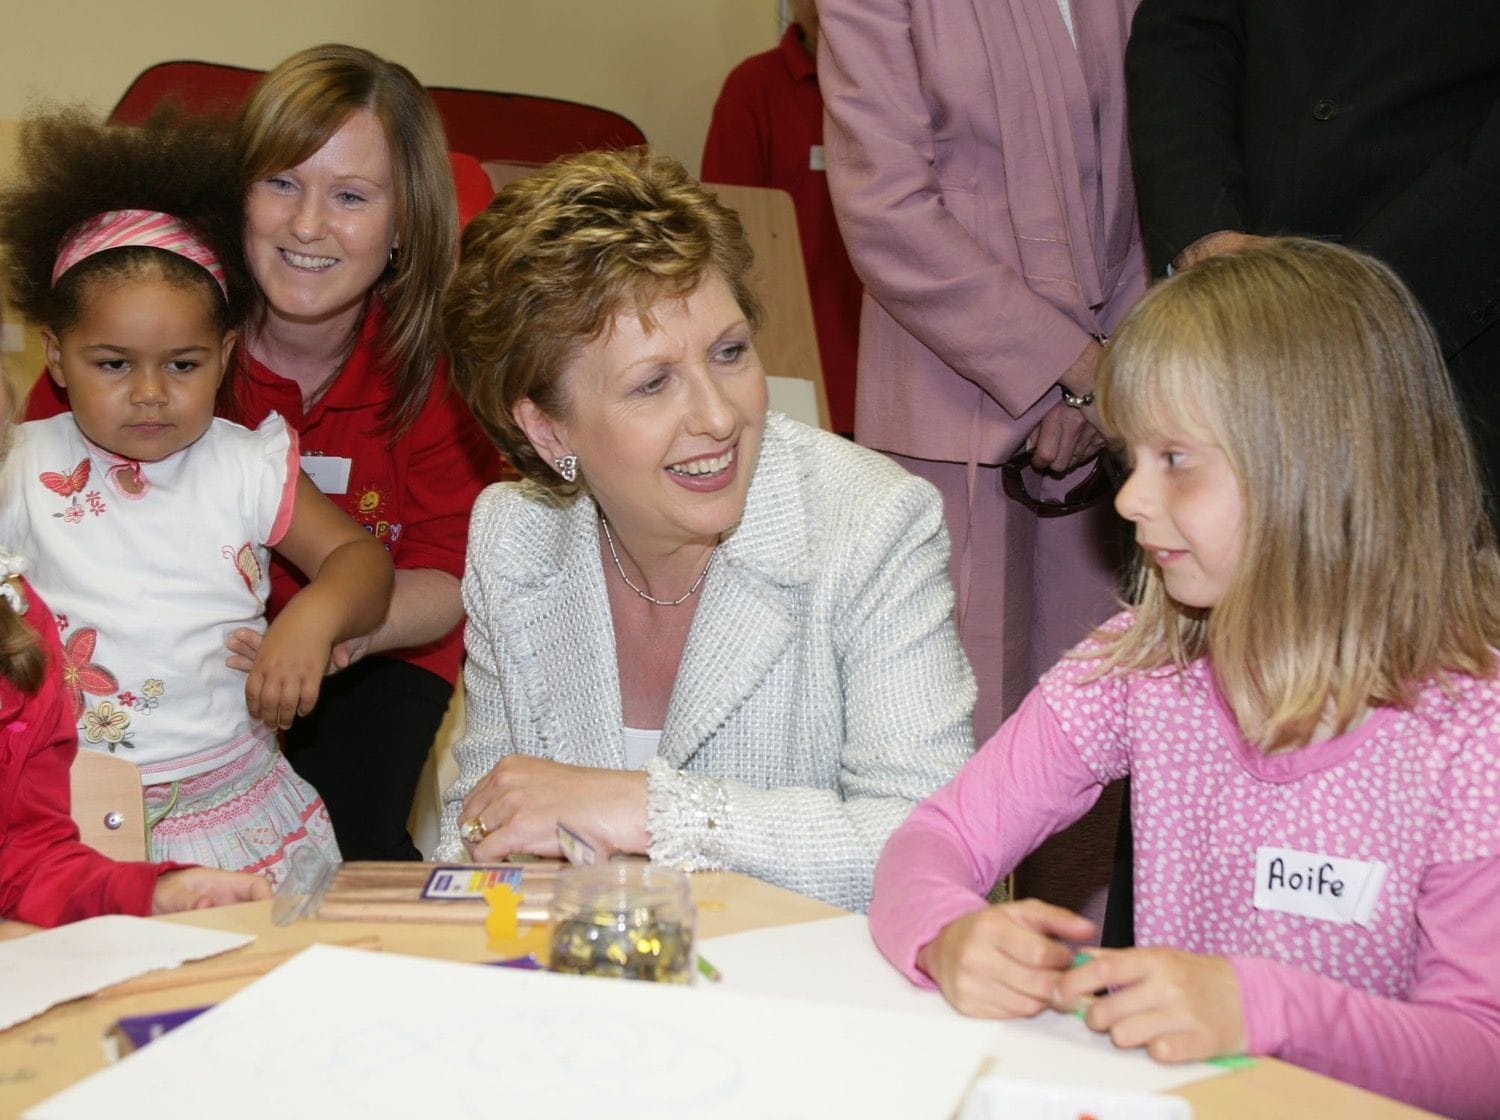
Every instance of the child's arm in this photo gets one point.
(47, 875)
(929, 916)
(349, 590)
(1439, 1048)
(198, 888)
(425, 605)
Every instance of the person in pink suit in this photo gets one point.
(978, 166)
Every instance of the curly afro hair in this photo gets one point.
(72, 167)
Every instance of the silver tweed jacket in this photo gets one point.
(822, 690)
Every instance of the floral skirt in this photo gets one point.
(248, 815)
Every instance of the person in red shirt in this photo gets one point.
(767, 131)
(351, 232)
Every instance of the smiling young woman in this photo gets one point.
(350, 236)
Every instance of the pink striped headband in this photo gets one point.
(116, 229)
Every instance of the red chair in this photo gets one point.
(198, 87)
(522, 128)
(512, 127)
(208, 87)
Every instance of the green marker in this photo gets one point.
(709, 971)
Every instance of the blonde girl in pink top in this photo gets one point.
(1303, 695)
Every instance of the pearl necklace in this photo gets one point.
(688, 594)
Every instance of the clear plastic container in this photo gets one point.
(626, 918)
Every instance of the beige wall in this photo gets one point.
(660, 62)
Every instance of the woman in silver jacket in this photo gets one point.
(696, 631)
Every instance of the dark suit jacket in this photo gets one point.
(1375, 123)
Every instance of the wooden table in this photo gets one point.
(45, 1055)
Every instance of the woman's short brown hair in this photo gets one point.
(556, 256)
(294, 111)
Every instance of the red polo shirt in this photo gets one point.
(414, 494)
(767, 131)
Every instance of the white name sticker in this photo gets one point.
(815, 158)
(329, 473)
(1318, 886)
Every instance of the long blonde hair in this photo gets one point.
(1369, 567)
(294, 111)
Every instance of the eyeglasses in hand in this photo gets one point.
(1101, 482)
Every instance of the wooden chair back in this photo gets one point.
(788, 341)
(108, 806)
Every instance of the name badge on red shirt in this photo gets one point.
(329, 473)
(1318, 886)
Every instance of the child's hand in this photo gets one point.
(198, 888)
(244, 644)
(1180, 1006)
(1004, 962)
(288, 669)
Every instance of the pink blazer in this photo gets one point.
(992, 222)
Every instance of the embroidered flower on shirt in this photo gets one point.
(62, 623)
(105, 723)
(73, 514)
(80, 674)
(147, 700)
(96, 502)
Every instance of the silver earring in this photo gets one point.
(393, 258)
(567, 466)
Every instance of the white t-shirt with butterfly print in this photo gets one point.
(147, 568)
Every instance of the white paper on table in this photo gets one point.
(999, 1098)
(836, 960)
(44, 969)
(340, 1032)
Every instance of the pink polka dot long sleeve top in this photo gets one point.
(1354, 884)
